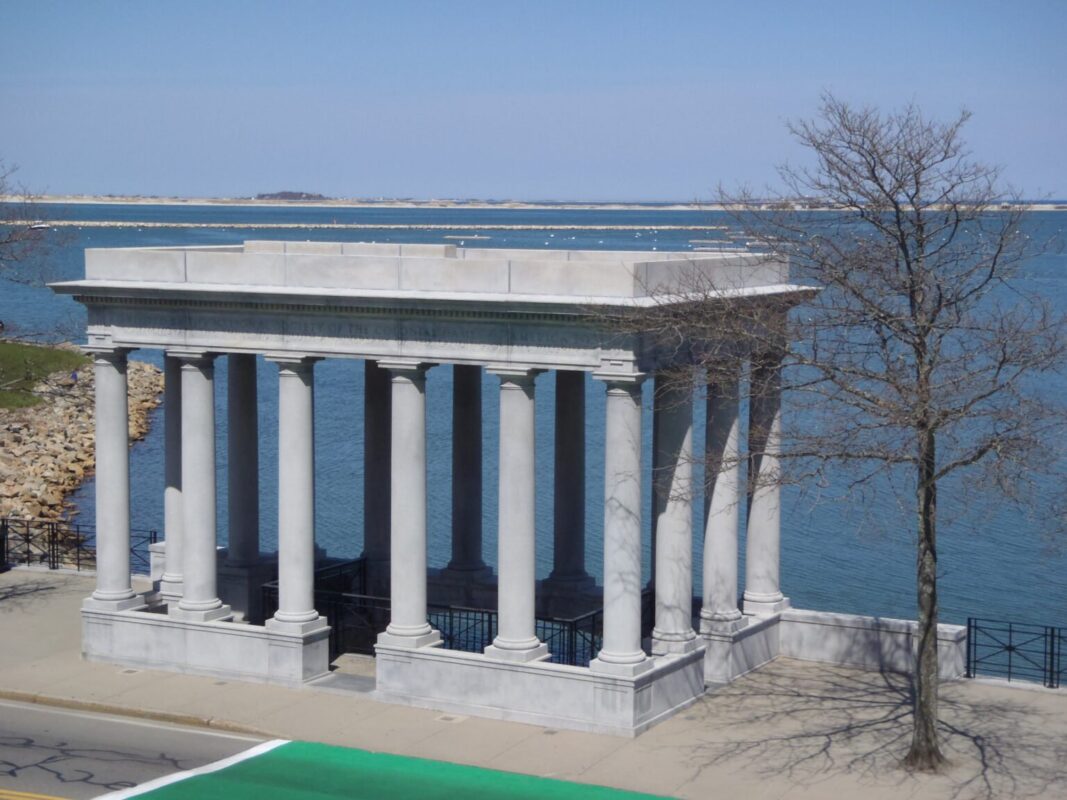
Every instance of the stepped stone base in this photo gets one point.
(152, 640)
(539, 692)
(850, 640)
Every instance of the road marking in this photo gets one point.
(9, 794)
(167, 726)
(166, 780)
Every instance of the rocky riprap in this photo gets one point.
(46, 450)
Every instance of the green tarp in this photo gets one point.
(306, 771)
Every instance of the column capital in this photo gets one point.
(291, 360)
(515, 377)
(105, 352)
(404, 367)
(514, 371)
(195, 356)
(617, 378)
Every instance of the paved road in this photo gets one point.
(73, 754)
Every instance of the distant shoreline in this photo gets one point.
(481, 205)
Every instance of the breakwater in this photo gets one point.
(367, 226)
(47, 450)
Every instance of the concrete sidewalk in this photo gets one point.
(792, 729)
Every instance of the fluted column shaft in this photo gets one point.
(763, 594)
(171, 582)
(242, 460)
(408, 626)
(516, 559)
(377, 427)
(113, 587)
(722, 458)
(568, 562)
(672, 475)
(466, 470)
(296, 492)
(200, 599)
(621, 650)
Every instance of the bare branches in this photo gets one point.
(921, 355)
(19, 233)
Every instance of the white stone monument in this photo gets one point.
(404, 309)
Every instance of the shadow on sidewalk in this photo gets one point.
(807, 723)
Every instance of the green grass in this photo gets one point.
(306, 771)
(23, 365)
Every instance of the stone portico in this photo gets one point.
(405, 309)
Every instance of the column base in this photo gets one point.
(280, 626)
(568, 596)
(580, 582)
(431, 639)
(538, 653)
(474, 587)
(676, 646)
(722, 624)
(377, 577)
(219, 614)
(171, 589)
(763, 606)
(466, 574)
(631, 670)
(123, 604)
(241, 587)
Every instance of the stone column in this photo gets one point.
(568, 557)
(170, 586)
(621, 652)
(466, 563)
(722, 459)
(672, 475)
(296, 497)
(113, 588)
(408, 626)
(763, 595)
(243, 460)
(377, 426)
(516, 639)
(200, 600)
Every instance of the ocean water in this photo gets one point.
(841, 555)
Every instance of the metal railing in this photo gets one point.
(65, 545)
(467, 629)
(356, 619)
(1015, 651)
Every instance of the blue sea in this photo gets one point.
(850, 555)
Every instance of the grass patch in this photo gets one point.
(23, 365)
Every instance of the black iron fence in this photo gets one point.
(65, 545)
(1015, 651)
(356, 619)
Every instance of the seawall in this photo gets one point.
(47, 450)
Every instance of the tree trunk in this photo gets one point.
(925, 753)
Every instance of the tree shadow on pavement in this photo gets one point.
(809, 723)
(18, 593)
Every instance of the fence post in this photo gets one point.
(53, 545)
(1050, 658)
(3, 545)
(969, 671)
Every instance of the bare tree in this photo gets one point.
(19, 232)
(919, 356)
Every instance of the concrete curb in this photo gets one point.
(190, 720)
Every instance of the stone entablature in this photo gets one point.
(404, 309)
(553, 276)
(429, 303)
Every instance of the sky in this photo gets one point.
(575, 100)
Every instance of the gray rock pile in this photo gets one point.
(46, 451)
